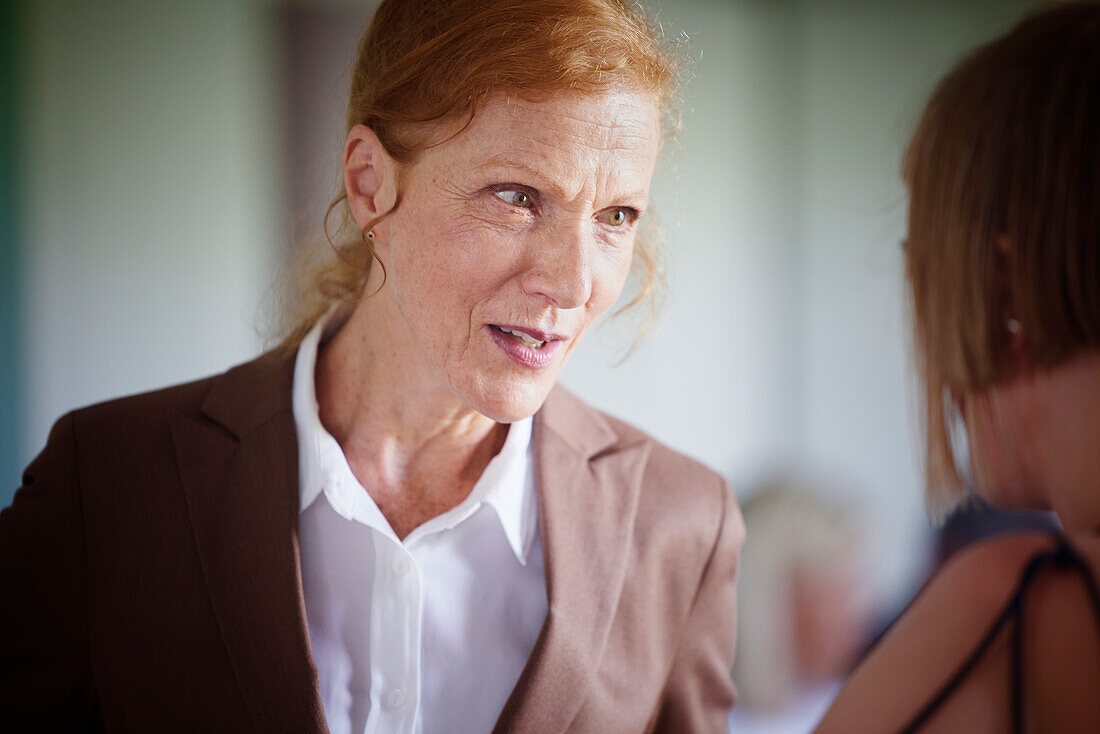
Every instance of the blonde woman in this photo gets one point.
(1003, 261)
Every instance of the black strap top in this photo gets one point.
(1061, 556)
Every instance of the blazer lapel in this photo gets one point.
(240, 475)
(588, 495)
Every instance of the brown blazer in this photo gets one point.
(150, 578)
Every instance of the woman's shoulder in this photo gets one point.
(681, 500)
(127, 451)
(566, 408)
(933, 638)
(259, 380)
(664, 466)
(138, 409)
(132, 436)
(1062, 656)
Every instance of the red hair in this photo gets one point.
(424, 65)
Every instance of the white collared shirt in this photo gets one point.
(426, 635)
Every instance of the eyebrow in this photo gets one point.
(504, 160)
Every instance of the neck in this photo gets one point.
(400, 433)
(1070, 461)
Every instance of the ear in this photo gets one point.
(369, 176)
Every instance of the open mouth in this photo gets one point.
(523, 338)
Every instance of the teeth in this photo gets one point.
(528, 341)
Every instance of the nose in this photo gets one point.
(559, 266)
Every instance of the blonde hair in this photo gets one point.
(425, 66)
(1004, 180)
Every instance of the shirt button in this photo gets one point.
(394, 699)
(401, 566)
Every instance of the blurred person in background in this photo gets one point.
(1003, 261)
(804, 607)
(396, 522)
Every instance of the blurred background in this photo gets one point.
(160, 162)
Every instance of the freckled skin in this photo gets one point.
(458, 257)
(414, 385)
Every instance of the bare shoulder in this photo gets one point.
(1062, 656)
(941, 628)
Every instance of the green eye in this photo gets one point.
(515, 198)
(615, 217)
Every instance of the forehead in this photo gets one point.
(619, 120)
(580, 140)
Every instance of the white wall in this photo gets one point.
(152, 222)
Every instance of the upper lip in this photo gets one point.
(535, 334)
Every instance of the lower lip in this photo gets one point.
(523, 355)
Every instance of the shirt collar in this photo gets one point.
(509, 488)
(307, 418)
(507, 485)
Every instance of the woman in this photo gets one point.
(1003, 259)
(367, 530)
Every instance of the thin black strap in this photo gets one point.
(1016, 673)
(1064, 556)
(1068, 557)
(1012, 609)
(1016, 668)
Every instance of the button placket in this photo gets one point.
(395, 698)
(401, 564)
(397, 623)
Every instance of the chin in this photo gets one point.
(506, 401)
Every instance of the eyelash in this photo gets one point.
(532, 198)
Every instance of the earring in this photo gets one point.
(370, 235)
(1014, 326)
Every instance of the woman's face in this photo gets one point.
(510, 240)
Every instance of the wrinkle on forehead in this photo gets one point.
(608, 125)
(574, 142)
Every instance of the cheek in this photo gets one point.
(996, 457)
(449, 260)
(609, 277)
